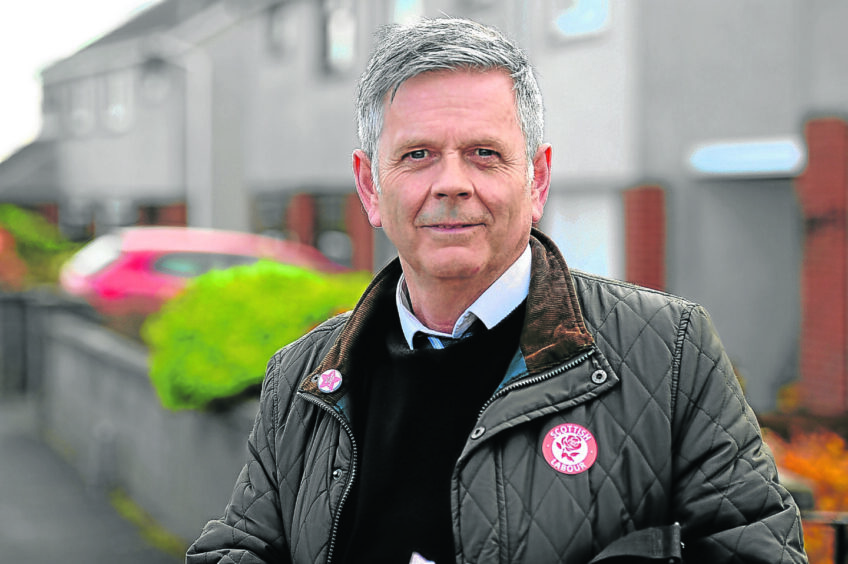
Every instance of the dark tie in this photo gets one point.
(423, 340)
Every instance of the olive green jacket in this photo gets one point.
(619, 432)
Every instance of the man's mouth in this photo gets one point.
(451, 226)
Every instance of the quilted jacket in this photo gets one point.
(619, 433)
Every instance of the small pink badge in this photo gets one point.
(330, 381)
(570, 448)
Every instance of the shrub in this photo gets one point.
(212, 341)
(38, 243)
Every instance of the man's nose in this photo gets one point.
(452, 178)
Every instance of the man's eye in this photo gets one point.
(417, 154)
(486, 152)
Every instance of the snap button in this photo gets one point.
(337, 473)
(478, 432)
(599, 376)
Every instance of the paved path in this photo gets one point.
(48, 515)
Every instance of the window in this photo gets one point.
(188, 265)
(407, 11)
(97, 255)
(51, 110)
(330, 227)
(80, 118)
(575, 19)
(339, 36)
(117, 110)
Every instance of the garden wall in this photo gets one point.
(99, 410)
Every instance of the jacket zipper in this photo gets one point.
(540, 377)
(581, 358)
(354, 456)
(355, 453)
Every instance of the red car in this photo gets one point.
(134, 270)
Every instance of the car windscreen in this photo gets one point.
(189, 265)
(97, 255)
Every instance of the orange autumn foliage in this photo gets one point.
(819, 457)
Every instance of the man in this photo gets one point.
(482, 403)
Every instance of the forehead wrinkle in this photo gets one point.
(426, 118)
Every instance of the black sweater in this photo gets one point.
(412, 413)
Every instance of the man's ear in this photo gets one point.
(541, 183)
(366, 187)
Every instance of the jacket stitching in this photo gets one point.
(503, 529)
(682, 327)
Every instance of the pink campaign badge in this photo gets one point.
(330, 381)
(570, 448)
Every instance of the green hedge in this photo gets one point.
(212, 341)
(38, 243)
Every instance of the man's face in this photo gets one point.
(455, 198)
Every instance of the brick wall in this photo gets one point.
(361, 234)
(173, 214)
(823, 194)
(300, 218)
(644, 236)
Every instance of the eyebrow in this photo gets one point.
(417, 143)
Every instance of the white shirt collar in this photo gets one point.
(498, 301)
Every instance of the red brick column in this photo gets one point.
(644, 236)
(823, 194)
(361, 234)
(175, 214)
(300, 218)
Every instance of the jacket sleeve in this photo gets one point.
(727, 496)
(250, 531)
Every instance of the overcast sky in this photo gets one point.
(36, 33)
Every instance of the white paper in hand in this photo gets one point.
(418, 559)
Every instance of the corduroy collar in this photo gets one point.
(553, 329)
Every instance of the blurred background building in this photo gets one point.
(699, 148)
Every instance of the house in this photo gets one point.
(699, 148)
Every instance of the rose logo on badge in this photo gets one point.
(330, 381)
(570, 448)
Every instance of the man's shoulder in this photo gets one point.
(311, 346)
(601, 297)
(325, 331)
(329, 327)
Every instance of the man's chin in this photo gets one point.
(447, 263)
(455, 268)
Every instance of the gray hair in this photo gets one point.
(404, 51)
